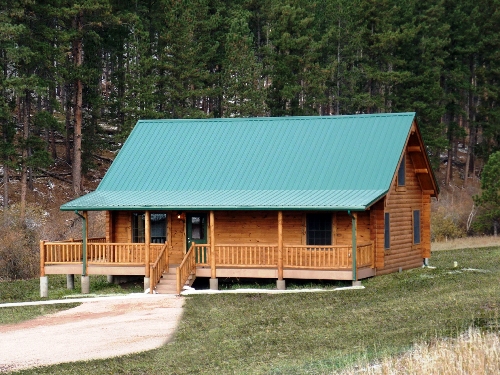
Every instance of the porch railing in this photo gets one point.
(326, 257)
(97, 252)
(365, 255)
(294, 256)
(60, 252)
(158, 267)
(186, 267)
(246, 255)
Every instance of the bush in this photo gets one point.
(446, 225)
(19, 242)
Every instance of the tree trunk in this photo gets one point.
(24, 169)
(449, 167)
(469, 162)
(77, 134)
(52, 95)
(495, 228)
(68, 123)
(5, 186)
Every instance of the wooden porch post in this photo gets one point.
(214, 283)
(280, 284)
(44, 280)
(354, 247)
(85, 241)
(42, 258)
(147, 242)
(85, 281)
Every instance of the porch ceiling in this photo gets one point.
(340, 200)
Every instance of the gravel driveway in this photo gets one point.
(101, 328)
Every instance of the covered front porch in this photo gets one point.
(213, 259)
(275, 262)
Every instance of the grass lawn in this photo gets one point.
(319, 333)
(11, 315)
(29, 290)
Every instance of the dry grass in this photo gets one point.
(466, 243)
(474, 352)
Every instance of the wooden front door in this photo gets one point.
(196, 228)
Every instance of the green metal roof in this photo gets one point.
(328, 162)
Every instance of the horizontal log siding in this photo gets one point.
(294, 230)
(377, 232)
(242, 227)
(400, 203)
(343, 230)
(178, 247)
(122, 225)
(425, 230)
(109, 226)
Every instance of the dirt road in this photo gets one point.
(96, 329)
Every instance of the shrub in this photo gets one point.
(446, 225)
(19, 242)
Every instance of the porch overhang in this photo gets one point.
(228, 200)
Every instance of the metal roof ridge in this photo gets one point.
(287, 118)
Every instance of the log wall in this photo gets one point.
(343, 231)
(178, 246)
(242, 227)
(400, 203)
(377, 232)
(122, 227)
(426, 226)
(247, 227)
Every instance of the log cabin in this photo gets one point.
(329, 197)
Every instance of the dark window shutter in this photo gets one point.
(402, 172)
(416, 226)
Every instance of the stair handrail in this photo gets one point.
(186, 267)
(157, 268)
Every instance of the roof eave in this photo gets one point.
(216, 208)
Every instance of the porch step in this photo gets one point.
(168, 282)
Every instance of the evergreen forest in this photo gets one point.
(75, 76)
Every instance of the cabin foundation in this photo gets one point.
(214, 284)
(44, 286)
(70, 281)
(85, 284)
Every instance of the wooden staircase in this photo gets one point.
(168, 282)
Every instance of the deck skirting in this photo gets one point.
(272, 273)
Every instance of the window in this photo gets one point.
(402, 172)
(197, 227)
(319, 229)
(416, 227)
(158, 228)
(387, 231)
(138, 227)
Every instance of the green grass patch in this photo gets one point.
(29, 290)
(320, 333)
(12, 315)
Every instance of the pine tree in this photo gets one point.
(489, 199)
(242, 81)
(293, 58)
